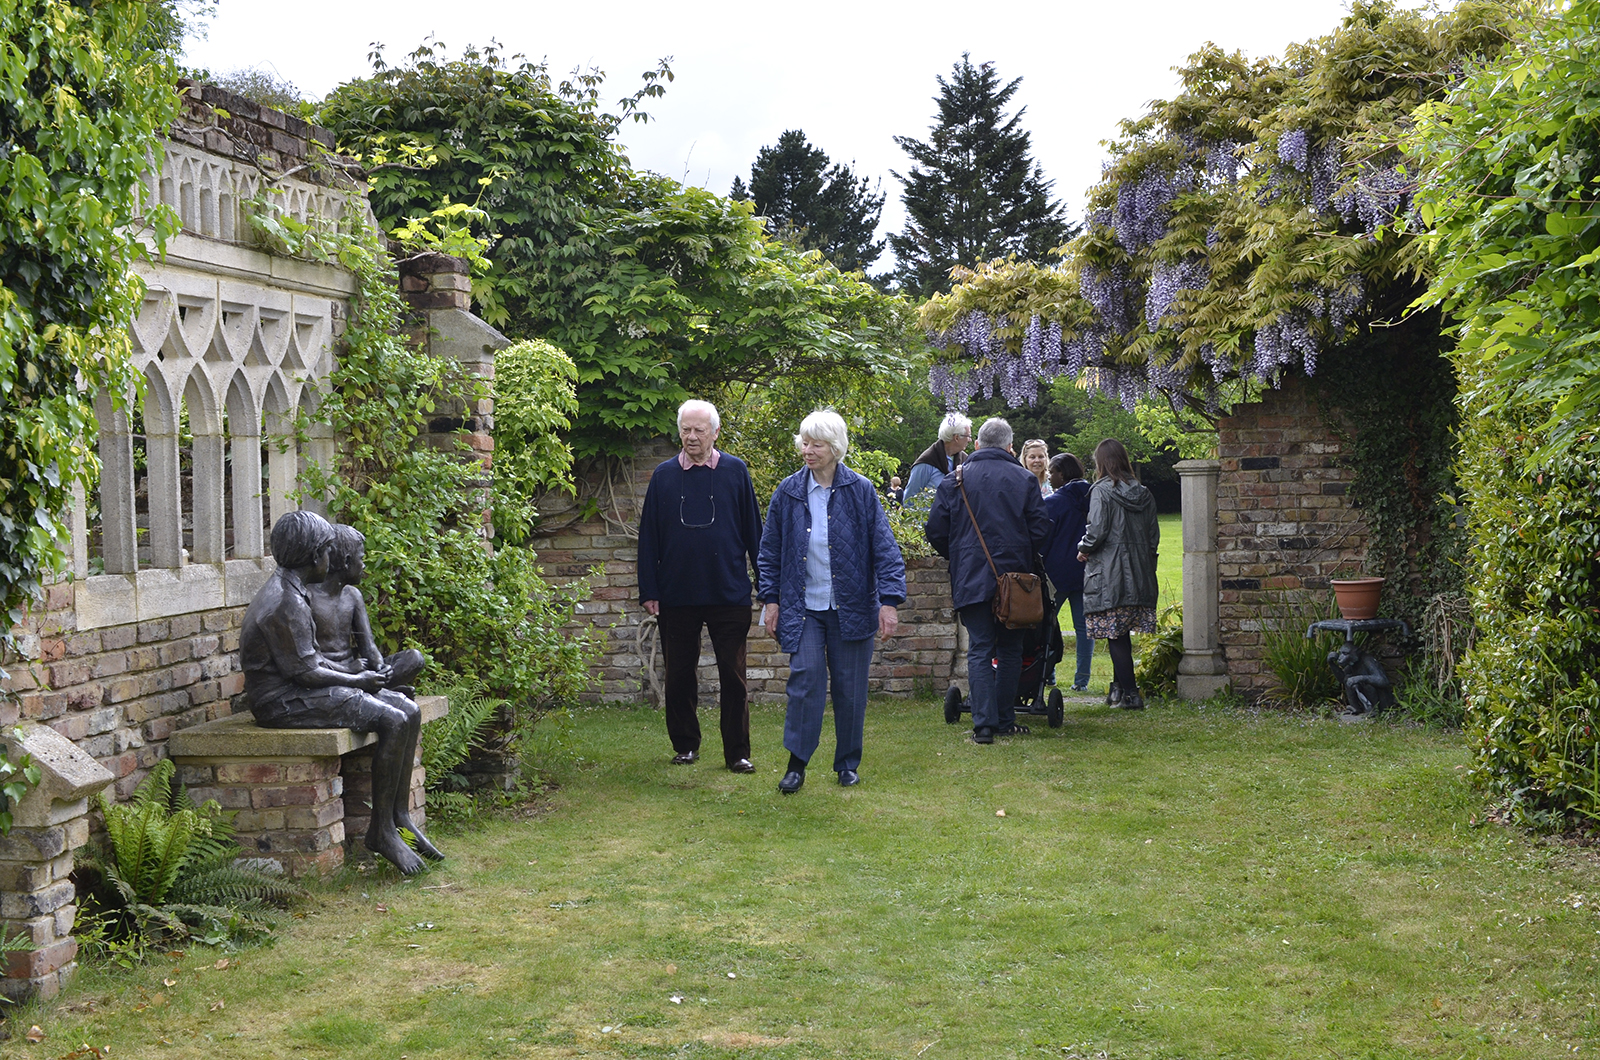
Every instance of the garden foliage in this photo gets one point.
(1510, 193)
(168, 871)
(1250, 229)
(431, 581)
(655, 290)
(83, 103)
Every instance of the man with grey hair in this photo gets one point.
(697, 529)
(1004, 503)
(940, 458)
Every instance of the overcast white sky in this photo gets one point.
(852, 75)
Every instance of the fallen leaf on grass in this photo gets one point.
(676, 999)
(35, 1034)
(219, 1005)
(999, 813)
(169, 982)
(672, 969)
(383, 909)
(221, 964)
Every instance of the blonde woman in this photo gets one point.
(1036, 458)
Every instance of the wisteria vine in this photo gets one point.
(1374, 196)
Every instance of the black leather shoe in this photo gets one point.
(743, 765)
(984, 735)
(849, 778)
(688, 758)
(1114, 695)
(791, 782)
(1012, 730)
(1132, 701)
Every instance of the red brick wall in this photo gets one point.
(120, 691)
(921, 659)
(1284, 523)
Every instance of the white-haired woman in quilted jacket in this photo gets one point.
(830, 579)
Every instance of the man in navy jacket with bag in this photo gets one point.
(1007, 509)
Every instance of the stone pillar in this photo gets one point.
(37, 899)
(438, 288)
(1202, 672)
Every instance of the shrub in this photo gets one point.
(1508, 188)
(1160, 653)
(170, 871)
(1300, 663)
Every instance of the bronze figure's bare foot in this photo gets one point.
(388, 845)
(423, 846)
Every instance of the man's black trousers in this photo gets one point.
(729, 627)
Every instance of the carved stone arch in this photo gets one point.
(119, 540)
(154, 322)
(188, 199)
(207, 219)
(244, 445)
(283, 458)
(319, 445)
(163, 487)
(207, 488)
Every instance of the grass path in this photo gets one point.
(1183, 882)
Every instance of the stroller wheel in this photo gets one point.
(1053, 710)
(952, 705)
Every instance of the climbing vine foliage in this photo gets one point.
(1241, 229)
(1512, 194)
(82, 109)
(486, 616)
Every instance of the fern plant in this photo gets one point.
(168, 870)
(447, 741)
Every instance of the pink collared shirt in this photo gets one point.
(684, 462)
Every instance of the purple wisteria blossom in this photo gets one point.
(1293, 148)
(989, 367)
(1143, 208)
(1377, 196)
(1166, 281)
(1222, 163)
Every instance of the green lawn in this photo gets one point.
(1184, 882)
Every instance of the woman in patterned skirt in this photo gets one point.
(1118, 551)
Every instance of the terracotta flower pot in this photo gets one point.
(1357, 597)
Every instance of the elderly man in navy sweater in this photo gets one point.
(699, 536)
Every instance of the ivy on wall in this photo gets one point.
(1396, 390)
(83, 104)
(486, 616)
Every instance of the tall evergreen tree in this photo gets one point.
(815, 204)
(974, 193)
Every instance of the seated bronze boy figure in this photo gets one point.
(291, 685)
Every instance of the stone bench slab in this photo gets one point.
(238, 736)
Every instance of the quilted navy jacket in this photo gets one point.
(865, 562)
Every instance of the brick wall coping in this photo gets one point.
(238, 736)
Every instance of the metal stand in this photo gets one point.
(1366, 686)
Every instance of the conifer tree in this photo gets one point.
(814, 204)
(974, 192)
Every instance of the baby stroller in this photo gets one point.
(1042, 649)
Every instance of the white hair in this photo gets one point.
(825, 425)
(953, 424)
(703, 408)
(994, 434)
